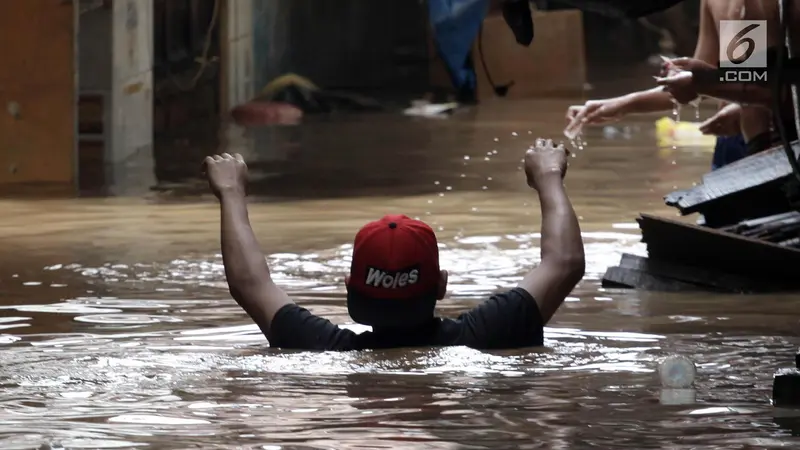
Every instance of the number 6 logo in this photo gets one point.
(738, 40)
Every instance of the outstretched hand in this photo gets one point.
(593, 112)
(226, 174)
(545, 160)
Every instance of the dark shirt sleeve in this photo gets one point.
(296, 328)
(507, 320)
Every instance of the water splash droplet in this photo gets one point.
(489, 178)
(466, 157)
(484, 188)
(497, 139)
(436, 183)
(577, 142)
(676, 113)
(449, 188)
(514, 133)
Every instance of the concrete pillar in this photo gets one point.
(271, 27)
(130, 163)
(237, 53)
(238, 83)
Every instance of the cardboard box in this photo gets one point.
(554, 64)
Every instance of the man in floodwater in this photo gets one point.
(395, 279)
(741, 130)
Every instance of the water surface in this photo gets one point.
(117, 331)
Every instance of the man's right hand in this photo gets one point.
(226, 173)
(594, 112)
(543, 161)
(726, 122)
(687, 64)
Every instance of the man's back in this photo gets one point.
(507, 320)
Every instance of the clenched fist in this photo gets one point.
(226, 173)
(544, 160)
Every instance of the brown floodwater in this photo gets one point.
(117, 330)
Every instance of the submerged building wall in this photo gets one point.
(345, 44)
(37, 92)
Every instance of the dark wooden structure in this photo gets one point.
(748, 242)
(186, 84)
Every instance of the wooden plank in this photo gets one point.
(760, 168)
(748, 173)
(689, 244)
(764, 200)
(764, 220)
(710, 279)
(623, 277)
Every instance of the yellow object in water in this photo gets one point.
(283, 82)
(670, 133)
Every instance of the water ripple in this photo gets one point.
(158, 354)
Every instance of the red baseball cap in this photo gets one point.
(394, 274)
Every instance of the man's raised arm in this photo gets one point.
(246, 268)
(563, 260)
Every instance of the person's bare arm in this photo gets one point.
(563, 261)
(748, 94)
(246, 268)
(651, 100)
(707, 51)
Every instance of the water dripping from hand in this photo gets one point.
(676, 114)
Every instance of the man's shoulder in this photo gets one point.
(295, 327)
(508, 319)
(502, 302)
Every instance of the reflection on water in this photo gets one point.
(116, 330)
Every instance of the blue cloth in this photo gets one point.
(455, 26)
(728, 149)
